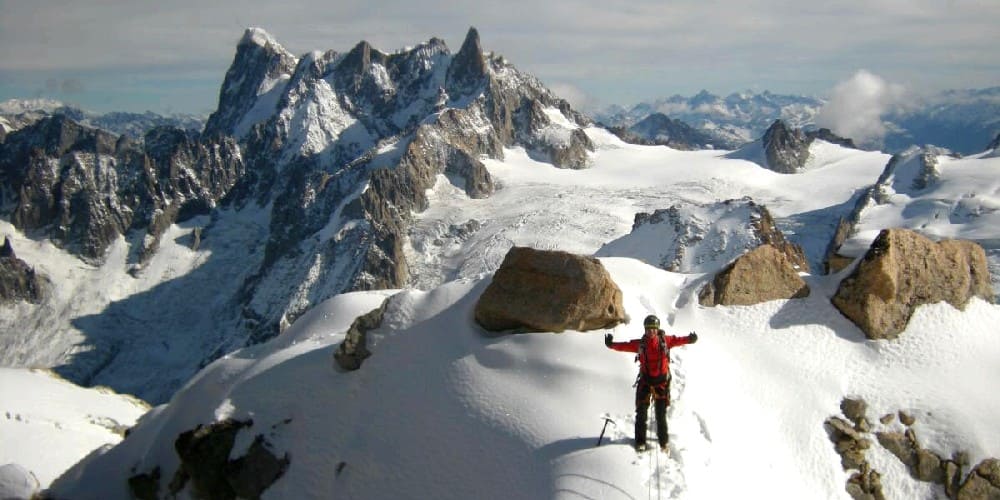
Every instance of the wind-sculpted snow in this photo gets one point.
(442, 410)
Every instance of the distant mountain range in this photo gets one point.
(18, 113)
(964, 121)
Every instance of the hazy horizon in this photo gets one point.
(122, 56)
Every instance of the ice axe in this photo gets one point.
(606, 421)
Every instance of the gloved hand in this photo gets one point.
(692, 338)
(608, 339)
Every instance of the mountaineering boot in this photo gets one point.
(640, 447)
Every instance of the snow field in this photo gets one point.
(47, 423)
(445, 410)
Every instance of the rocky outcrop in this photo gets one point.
(852, 439)
(908, 172)
(784, 149)
(692, 238)
(18, 280)
(903, 270)
(761, 275)
(256, 79)
(206, 468)
(354, 349)
(983, 482)
(549, 291)
(825, 134)
(659, 129)
(468, 69)
(86, 188)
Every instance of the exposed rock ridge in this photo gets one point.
(784, 149)
(259, 63)
(856, 434)
(915, 169)
(18, 280)
(86, 188)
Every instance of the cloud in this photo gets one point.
(856, 107)
(573, 94)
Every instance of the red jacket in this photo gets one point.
(657, 364)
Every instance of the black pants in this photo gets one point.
(660, 394)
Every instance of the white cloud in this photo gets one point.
(573, 94)
(856, 107)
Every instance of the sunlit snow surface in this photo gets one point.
(47, 424)
(445, 410)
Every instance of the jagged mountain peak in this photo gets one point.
(469, 65)
(250, 89)
(261, 38)
(786, 149)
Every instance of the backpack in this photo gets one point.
(653, 358)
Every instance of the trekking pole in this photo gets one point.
(606, 421)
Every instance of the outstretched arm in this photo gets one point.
(629, 346)
(673, 341)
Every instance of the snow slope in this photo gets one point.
(957, 198)
(580, 211)
(444, 410)
(47, 424)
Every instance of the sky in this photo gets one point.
(172, 56)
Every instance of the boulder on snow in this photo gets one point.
(552, 291)
(983, 482)
(761, 275)
(17, 483)
(903, 270)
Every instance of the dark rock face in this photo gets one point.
(659, 129)
(86, 188)
(468, 69)
(354, 349)
(827, 135)
(903, 270)
(549, 291)
(786, 149)
(761, 275)
(205, 464)
(259, 60)
(18, 281)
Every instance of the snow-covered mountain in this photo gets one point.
(734, 119)
(217, 275)
(441, 409)
(337, 152)
(964, 121)
(18, 113)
